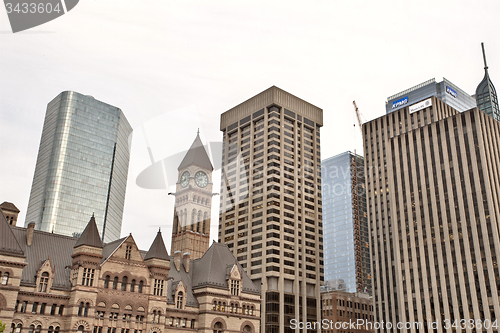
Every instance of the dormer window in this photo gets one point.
(128, 252)
(235, 287)
(180, 298)
(44, 282)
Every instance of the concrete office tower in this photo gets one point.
(81, 168)
(345, 223)
(433, 194)
(444, 90)
(486, 95)
(270, 213)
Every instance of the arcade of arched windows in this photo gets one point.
(195, 220)
(233, 307)
(125, 283)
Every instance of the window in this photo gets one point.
(44, 281)
(141, 284)
(53, 309)
(61, 310)
(31, 329)
(247, 328)
(106, 282)
(128, 252)
(86, 310)
(80, 329)
(124, 283)
(80, 309)
(5, 278)
(235, 287)
(158, 288)
(218, 327)
(132, 286)
(88, 277)
(115, 282)
(180, 296)
(38, 329)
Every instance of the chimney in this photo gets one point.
(29, 233)
(186, 259)
(177, 260)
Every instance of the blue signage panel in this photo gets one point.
(451, 92)
(400, 102)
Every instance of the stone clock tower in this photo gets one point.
(193, 201)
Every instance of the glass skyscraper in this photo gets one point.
(81, 168)
(345, 225)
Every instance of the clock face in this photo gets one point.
(185, 179)
(201, 179)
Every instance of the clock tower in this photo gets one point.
(193, 201)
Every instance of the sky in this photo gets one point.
(174, 66)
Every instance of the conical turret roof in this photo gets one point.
(90, 235)
(157, 249)
(196, 155)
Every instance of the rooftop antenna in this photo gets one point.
(484, 58)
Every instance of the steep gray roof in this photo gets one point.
(9, 206)
(157, 249)
(8, 242)
(196, 155)
(90, 236)
(212, 267)
(44, 246)
(174, 277)
(109, 248)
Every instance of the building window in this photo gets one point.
(247, 328)
(128, 252)
(80, 329)
(80, 309)
(235, 287)
(141, 284)
(88, 277)
(124, 283)
(44, 281)
(106, 282)
(38, 329)
(180, 296)
(61, 310)
(218, 327)
(31, 329)
(115, 282)
(5, 278)
(132, 286)
(158, 288)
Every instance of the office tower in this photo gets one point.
(486, 95)
(193, 203)
(81, 168)
(341, 308)
(10, 211)
(270, 211)
(434, 213)
(444, 90)
(345, 223)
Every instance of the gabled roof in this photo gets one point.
(8, 242)
(90, 236)
(110, 248)
(212, 267)
(157, 249)
(9, 206)
(196, 155)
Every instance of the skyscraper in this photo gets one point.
(270, 210)
(486, 95)
(81, 168)
(345, 223)
(193, 203)
(444, 90)
(434, 213)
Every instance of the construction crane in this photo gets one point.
(358, 115)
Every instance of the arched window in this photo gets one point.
(154, 316)
(19, 327)
(44, 281)
(218, 327)
(86, 310)
(132, 285)
(31, 329)
(115, 282)
(215, 306)
(251, 311)
(51, 329)
(231, 307)
(141, 284)
(180, 297)
(12, 327)
(246, 310)
(124, 283)
(57, 329)
(38, 329)
(80, 329)
(106, 282)
(247, 328)
(80, 309)
(5, 278)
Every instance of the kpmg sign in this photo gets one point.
(400, 102)
(451, 92)
(421, 105)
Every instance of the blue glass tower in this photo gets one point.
(82, 167)
(345, 224)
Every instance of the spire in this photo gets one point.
(8, 242)
(196, 155)
(157, 249)
(484, 58)
(90, 236)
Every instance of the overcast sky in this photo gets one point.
(175, 66)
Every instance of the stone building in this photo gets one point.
(53, 283)
(10, 211)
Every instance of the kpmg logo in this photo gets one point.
(400, 102)
(451, 92)
(26, 14)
